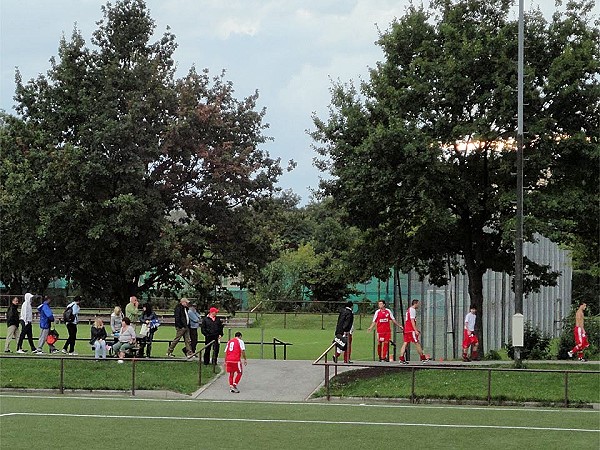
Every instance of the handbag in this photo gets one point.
(144, 330)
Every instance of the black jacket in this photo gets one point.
(345, 321)
(97, 334)
(210, 327)
(181, 318)
(12, 315)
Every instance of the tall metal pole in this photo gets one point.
(518, 317)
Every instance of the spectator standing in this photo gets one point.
(46, 320)
(132, 311)
(195, 318)
(469, 336)
(581, 340)
(212, 329)
(116, 319)
(126, 339)
(234, 352)
(12, 323)
(343, 330)
(98, 339)
(151, 320)
(382, 318)
(182, 323)
(26, 319)
(412, 333)
(72, 327)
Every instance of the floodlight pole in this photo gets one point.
(517, 331)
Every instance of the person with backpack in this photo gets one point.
(12, 323)
(70, 318)
(46, 320)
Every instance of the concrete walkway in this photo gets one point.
(266, 379)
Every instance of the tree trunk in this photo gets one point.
(475, 275)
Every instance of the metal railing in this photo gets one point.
(414, 368)
(134, 363)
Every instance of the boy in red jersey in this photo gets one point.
(581, 340)
(234, 352)
(469, 336)
(382, 318)
(411, 333)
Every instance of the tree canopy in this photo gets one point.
(120, 177)
(421, 156)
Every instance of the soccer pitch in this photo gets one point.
(100, 422)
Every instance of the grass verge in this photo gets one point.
(44, 373)
(516, 386)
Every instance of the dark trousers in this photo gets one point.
(70, 342)
(26, 332)
(194, 338)
(214, 347)
(146, 344)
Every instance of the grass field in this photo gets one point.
(104, 422)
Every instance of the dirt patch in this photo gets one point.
(364, 374)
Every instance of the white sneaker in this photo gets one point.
(73, 354)
(39, 352)
(570, 353)
(21, 351)
(63, 351)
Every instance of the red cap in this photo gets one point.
(213, 310)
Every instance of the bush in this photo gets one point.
(567, 340)
(536, 344)
(493, 355)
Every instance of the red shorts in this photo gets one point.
(581, 339)
(469, 340)
(233, 367)
(384, 337)
(411, 336)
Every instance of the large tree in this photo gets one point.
(421, 156)
(148, 177)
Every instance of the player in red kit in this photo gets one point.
(382, 319)
(469, 336)
(234, 352)
(581, 340)
(412, 333)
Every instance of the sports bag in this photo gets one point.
(52, 337)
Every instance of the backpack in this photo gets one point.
(68, 315)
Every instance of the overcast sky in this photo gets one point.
(288, 50)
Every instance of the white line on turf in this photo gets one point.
(363, 405)
(288, 421)
(308, 404)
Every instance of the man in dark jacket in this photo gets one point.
(182, 326)
(212, 329)
(12, 323)
(343, 331)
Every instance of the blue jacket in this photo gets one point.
(46, 316)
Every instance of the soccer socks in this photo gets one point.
(238, 377)
(386, 347)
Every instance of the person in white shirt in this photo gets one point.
(469, 336)
(25, 319)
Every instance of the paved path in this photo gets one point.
(266, 379)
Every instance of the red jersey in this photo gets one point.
(383, 317)
(411, 314)
(233, 351)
